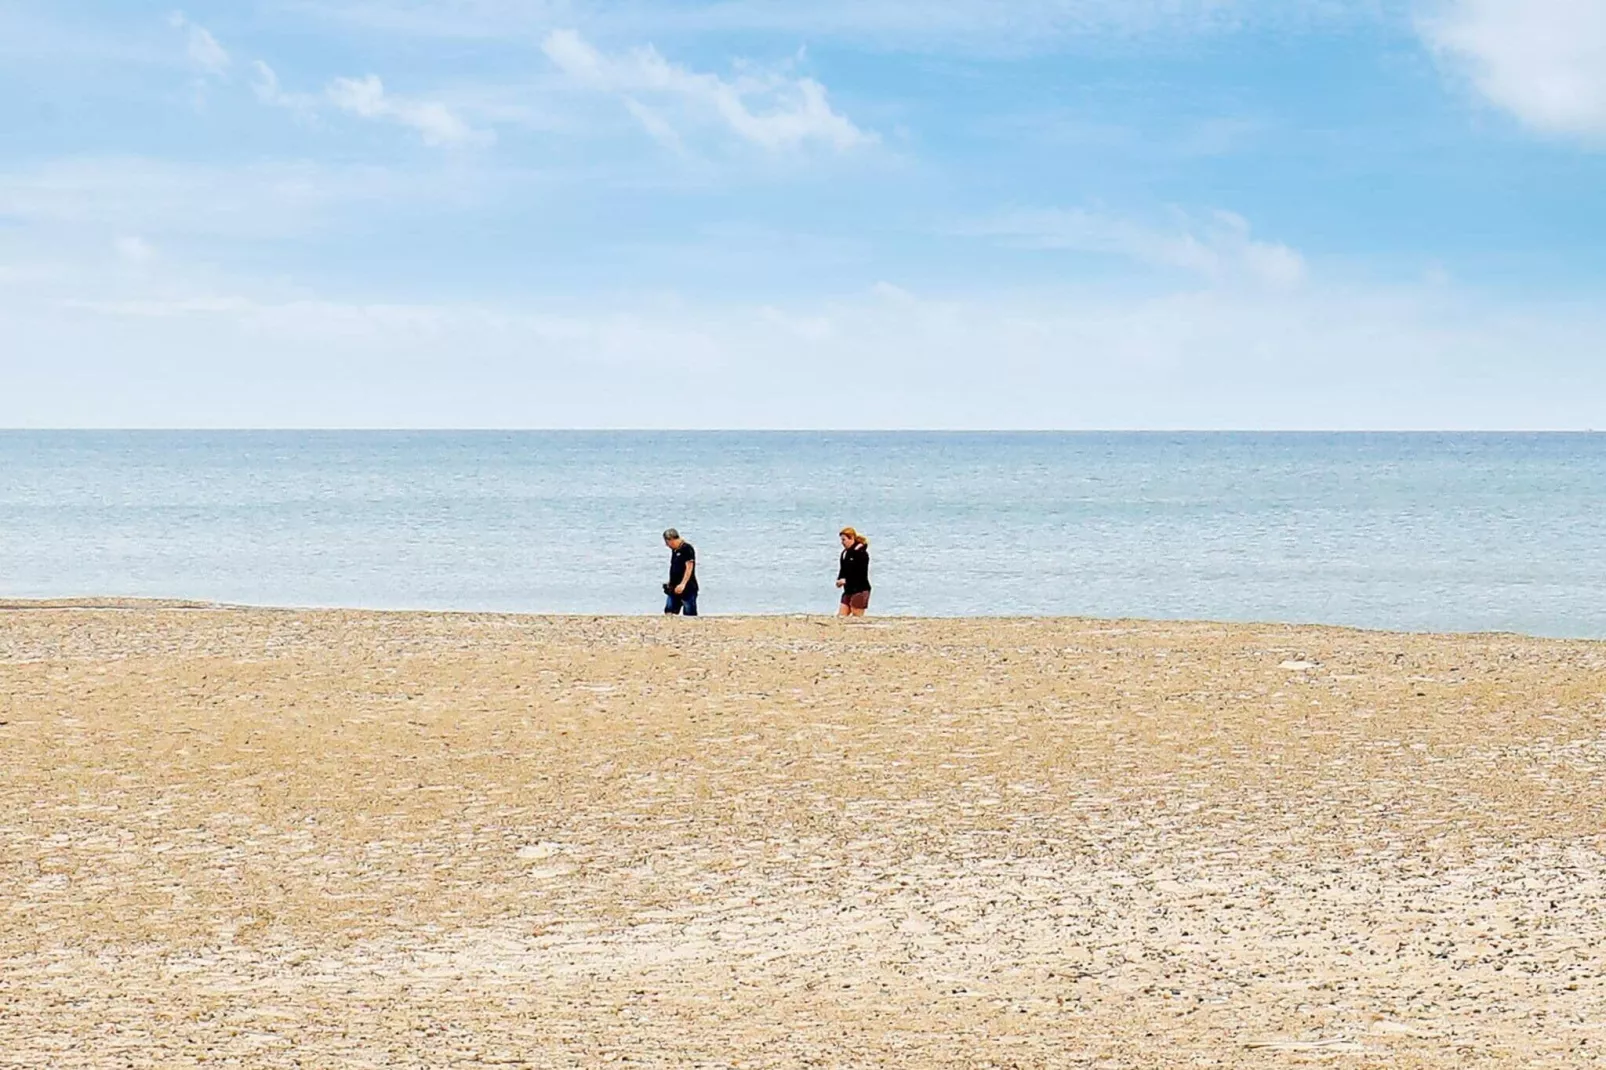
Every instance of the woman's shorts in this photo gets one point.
(859, 601)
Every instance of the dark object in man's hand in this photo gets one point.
(669, 588)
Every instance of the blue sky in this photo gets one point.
(744, 213)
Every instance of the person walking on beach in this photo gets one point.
(681, 590)
(854, 574)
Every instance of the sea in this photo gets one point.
(1432, 532)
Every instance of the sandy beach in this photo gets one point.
(336, 839)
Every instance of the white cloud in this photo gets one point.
(1543, 61)
(770, 109)
(157, 348)
(265, 84)
(168, 202)
(435, 122)
(203, 49)
(134, 249)
(1222, 248)
(657, 127)
(1062, 360)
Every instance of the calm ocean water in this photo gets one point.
(1444, 532)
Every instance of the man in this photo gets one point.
(682, 585)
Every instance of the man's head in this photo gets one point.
(672, 539)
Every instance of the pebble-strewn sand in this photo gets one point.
(281, 839)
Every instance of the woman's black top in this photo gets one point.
(855, 569)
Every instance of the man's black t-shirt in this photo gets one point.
(679, 557)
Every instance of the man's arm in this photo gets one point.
(691, 566)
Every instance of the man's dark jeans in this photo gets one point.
(685, 604)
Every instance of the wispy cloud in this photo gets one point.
(161, 199)
(265, 84)
(770, 109)
(658, 128)
(434, 122)
(1221, 247)
(1543, 61)
(1317, 358)
(134, 249)
(203, 49)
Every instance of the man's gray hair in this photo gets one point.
(670, 533)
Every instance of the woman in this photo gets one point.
(854, 575)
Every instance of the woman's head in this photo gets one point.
(851, 538)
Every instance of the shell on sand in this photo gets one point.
(272, 838)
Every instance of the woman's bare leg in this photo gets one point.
(844, 610)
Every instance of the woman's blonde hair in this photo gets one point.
(855, 536)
